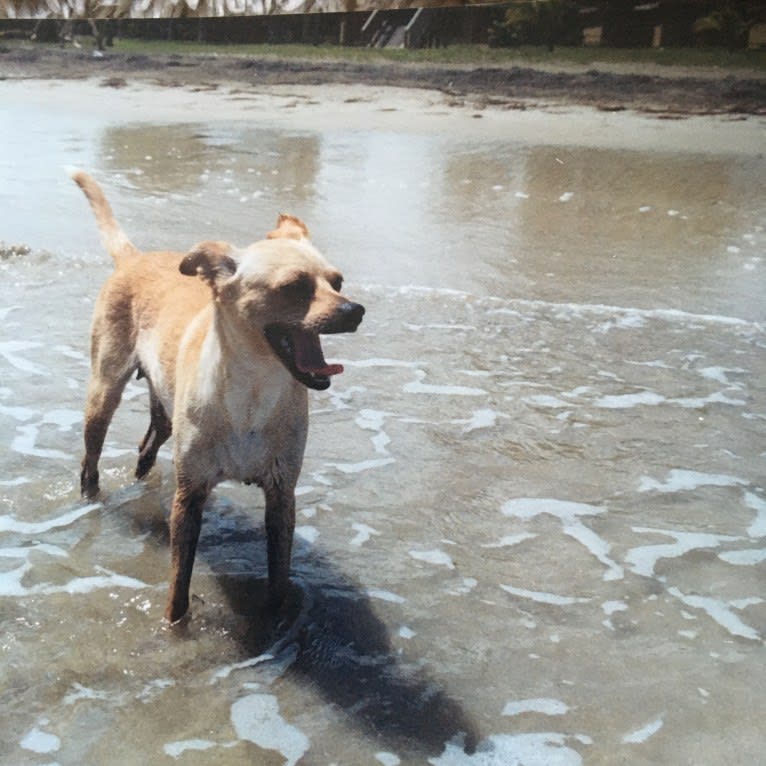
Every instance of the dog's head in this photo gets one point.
(281, 289)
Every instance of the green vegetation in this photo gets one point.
(466, 55)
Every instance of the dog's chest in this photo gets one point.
(261, 433)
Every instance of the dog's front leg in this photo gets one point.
(185, 524)
(280, 525)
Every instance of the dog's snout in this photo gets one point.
(345, 318)
(352, 313)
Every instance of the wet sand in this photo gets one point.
(669, 92)
(334, 106)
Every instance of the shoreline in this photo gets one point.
(670, 94)
(385, 109)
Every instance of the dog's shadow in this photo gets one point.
(337, 643)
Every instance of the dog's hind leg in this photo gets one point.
(103, 398)
(185, 524)
(160, 428)
(112, 364)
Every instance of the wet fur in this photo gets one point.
(193, 325)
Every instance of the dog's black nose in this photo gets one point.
(352, 313)
(347, 318)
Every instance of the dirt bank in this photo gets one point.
(669, 93)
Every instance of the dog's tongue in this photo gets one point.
(309, 356)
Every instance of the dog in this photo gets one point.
(228, 340)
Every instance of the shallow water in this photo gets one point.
(532, 515)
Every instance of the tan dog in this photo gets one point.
(228, 341)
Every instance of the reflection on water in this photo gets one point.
(537, 486)
(164, 159)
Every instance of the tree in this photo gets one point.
(540, 22)
(725, 25)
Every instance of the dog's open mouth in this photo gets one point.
(301, 352)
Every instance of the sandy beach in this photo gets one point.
(358, 106)
(667, 92)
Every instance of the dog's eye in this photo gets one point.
(300, 288)
(336, 282)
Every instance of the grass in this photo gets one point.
(466, 55)
(454, 55)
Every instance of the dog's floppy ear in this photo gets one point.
(289, 227)
(211, 261)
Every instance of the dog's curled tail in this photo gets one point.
(113, 237)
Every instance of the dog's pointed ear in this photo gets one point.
(212, 261)
(289, 227)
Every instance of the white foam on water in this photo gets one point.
(642, 560)
(406, 633)
(80, 692)
(546, 400)
(374, 420)
(544, 598)
(537, 749)
(418, 387)
(256, 718)
(380, 441)
(26, 444)
(387, 759)
(177, 749)
(628, 401)
(720, 611)
(744, 603)
(227, 670)
(719, 374)
(610, 607)
(17, 482)
(542, 705)
(307, 533)
(629, 321)
(385, 595)
(428, 290)
(154, 688)
(64, 419)
(10, 524)
(381, 362)
(565, 510)
(437, 557)
(362, 465)
(18, 413)
(38, 741)
(72, 353)
(11, 581)
(699, 402)
(744, 558)
(363, 533)
(597, 546)
(667, 315)
(7, 310)
(80, 585)
(485, 418)
(9, 351)
(656, 363)
(680, 480)
(566, 196)
(509, 540)
(568, 513)
(758, 504)
(639, 736)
